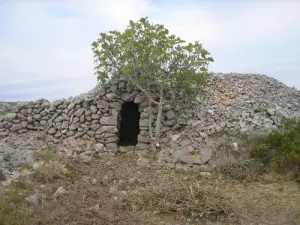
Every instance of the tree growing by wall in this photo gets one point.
(154, 61)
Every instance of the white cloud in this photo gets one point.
(44, 47)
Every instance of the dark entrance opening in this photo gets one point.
(129, 124)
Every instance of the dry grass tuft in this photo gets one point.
(117, 191)
(2, 176)
(192, 202)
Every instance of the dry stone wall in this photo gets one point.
(88, 125)
(247, 103)
(95, 115)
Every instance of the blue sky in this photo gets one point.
(45, 45)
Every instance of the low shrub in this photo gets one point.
(278, 150)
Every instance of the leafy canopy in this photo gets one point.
(146, 53)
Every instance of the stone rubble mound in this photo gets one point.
(230, 103)
(17, 150)
(7, 106)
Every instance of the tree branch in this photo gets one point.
(142, 89)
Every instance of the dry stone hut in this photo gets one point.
(116, 114)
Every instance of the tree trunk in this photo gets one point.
(158, 119)
(150, 126)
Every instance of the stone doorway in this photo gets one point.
(129, 124)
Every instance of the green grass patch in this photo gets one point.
(25, 166)
(45, 154)
(4, 112)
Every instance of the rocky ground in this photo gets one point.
(8, 106)
(133, 188)
(46, 179)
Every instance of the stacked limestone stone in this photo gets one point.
(233, 103)
(88, 124)
(229, 102)
(95, 115)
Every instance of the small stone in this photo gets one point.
(70, 133)
(29, 119)
(271, 111)
(203, 134)
(93, 108)
(211, 112)
(16, 127)
(107, 129)
(57, 102)
(235, 146)
(113, 190)
(115, 105)
(132, 181)
(110, 96)
(105, 180)
(38, 164)
(128, 97)
(65, 125)
(143, 123)
(186, 156)
(52, 130)
(10, 116)
(141, 146)
(95, 126)
(24, 124)
(59, 192)
(111, 120)
(206, 155)
(281, 114)
(95, 116)
(37, 117)
(43, 122)
(33, 200)
(21, 117)
(205, 174)
(170, 115)
(71, 106)
(99, 147)
(3, 134)
(140, 98)
(122, 149)
(181, 121)
(170, 123)
(112, 147)
(129, 87)
(72, 127)
(75, 120)
(79, 112)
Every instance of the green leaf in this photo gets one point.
(160, 57)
